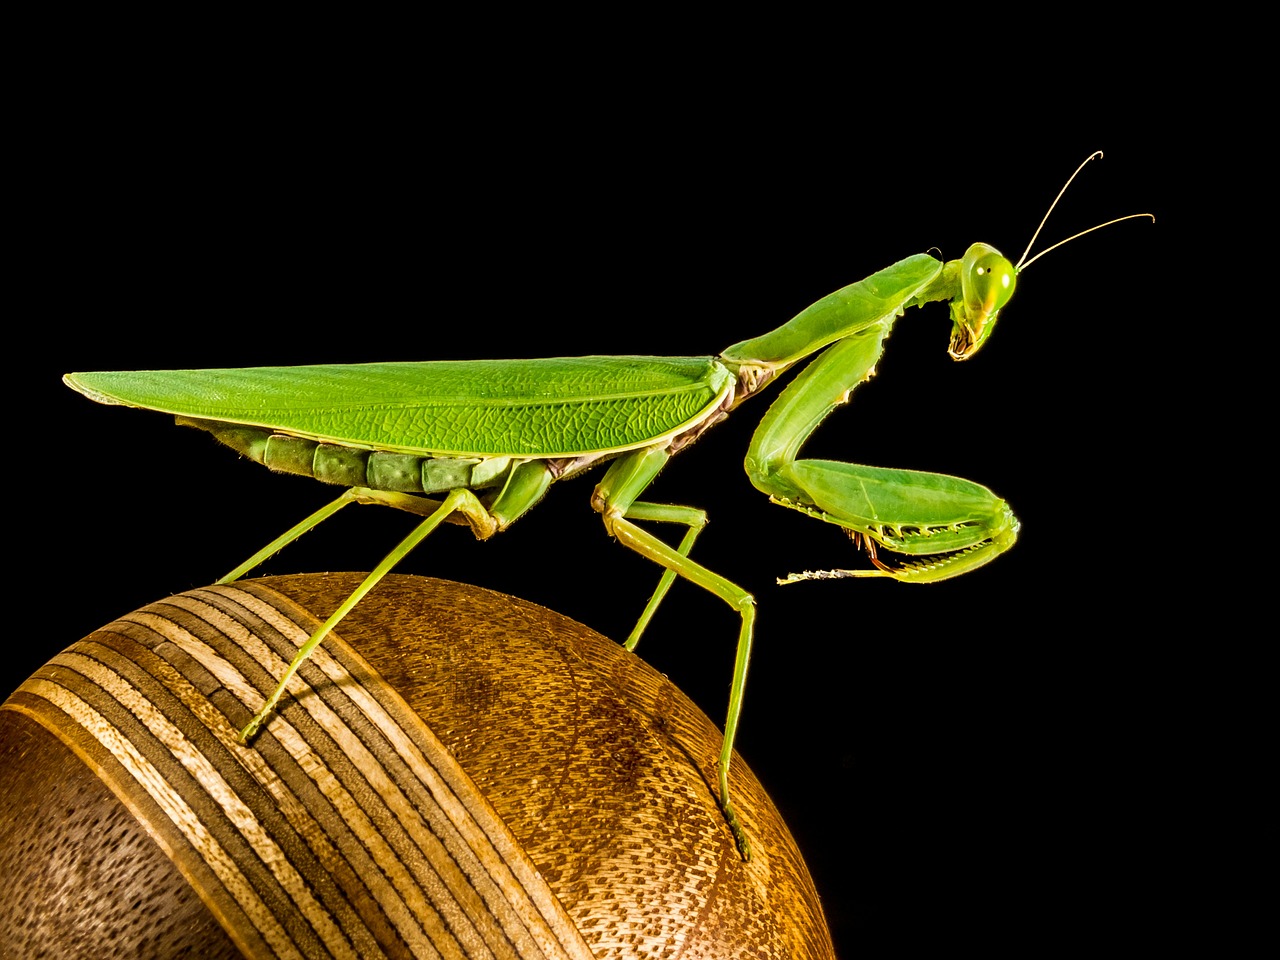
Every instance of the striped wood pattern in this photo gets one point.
(504, 784)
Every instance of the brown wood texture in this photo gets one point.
(456, 773)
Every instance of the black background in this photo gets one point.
(1004, 759)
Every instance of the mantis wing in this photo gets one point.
(564, 406)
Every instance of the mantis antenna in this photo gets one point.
(1023, 262)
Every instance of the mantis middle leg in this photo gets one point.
(614, 499)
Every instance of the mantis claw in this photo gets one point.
(942, 526)
(924, 570)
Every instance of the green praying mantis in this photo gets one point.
(489, 437)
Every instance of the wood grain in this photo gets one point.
(457, 774)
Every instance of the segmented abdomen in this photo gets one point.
(353, 467)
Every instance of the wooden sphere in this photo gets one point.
(455, 773)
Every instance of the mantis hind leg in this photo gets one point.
(401, 501)
(463, 501)
(290, 535)
(614, 500)
(526, 485)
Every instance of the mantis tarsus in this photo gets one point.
(492, 436)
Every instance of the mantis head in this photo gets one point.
(987, 279)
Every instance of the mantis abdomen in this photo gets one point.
(353, 467)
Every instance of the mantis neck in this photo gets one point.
(868, 307)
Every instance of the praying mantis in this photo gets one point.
(489, 438)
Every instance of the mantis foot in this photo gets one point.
(739, 834)
(250, 729)
(248, 732)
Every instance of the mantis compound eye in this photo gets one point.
(992, 279)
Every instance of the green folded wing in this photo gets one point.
(564, 406)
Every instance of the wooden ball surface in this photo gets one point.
(456, 773)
